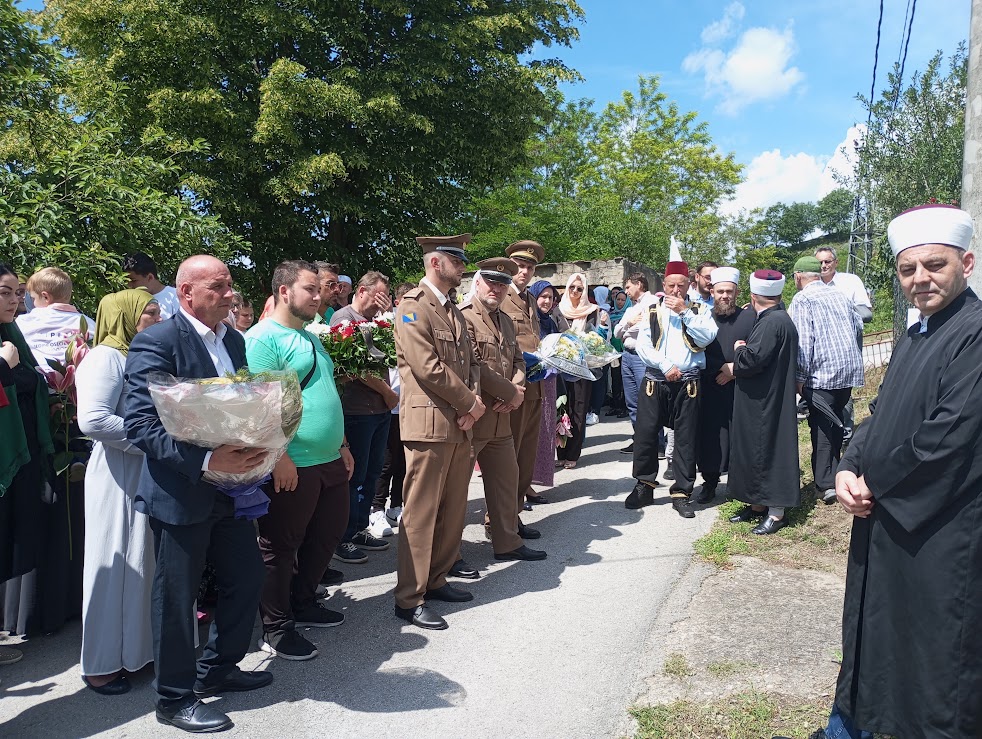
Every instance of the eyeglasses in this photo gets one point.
(332, 285)
(827, 261)
(576, 289)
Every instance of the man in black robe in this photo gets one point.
(912, 477)
(716, 410)
(764, 443)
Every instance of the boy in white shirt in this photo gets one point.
(54, 321)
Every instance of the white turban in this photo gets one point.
(767, 283)
(725, 274)
(930, 224)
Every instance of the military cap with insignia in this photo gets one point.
(452, 245)
(498, 269)
(529, 251)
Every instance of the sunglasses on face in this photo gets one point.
(332, 285)
(576, 289)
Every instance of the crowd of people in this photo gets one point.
(710, 388)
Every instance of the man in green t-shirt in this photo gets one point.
(308, 507)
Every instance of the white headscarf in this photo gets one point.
(577, 315)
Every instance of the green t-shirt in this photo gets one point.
(270, 346)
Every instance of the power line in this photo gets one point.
(910, 26)
(876, 59)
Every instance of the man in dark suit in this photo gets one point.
(191, 518)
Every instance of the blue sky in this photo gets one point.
(776, 81)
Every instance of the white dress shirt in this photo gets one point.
(851, 286)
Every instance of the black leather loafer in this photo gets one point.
(462, 569)
(118, 686)
(422, 616)
(332, 577)
(746, 514)
(769, 526)
(536, 499)
(238, 681)
(449, 594)
(523, 553)
(681, 506)
(527, 532)
(195, 717)
(641, 496)
(706, 495)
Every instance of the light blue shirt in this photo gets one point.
(672, 350)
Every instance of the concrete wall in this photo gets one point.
(610, 272)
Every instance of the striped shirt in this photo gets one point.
(829, 338)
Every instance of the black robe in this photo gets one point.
(912, 619)
(764, 431)
(716, 408)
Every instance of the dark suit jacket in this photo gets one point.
(171, 488)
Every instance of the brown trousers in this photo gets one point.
(499, 468)
(435, 503)
(525, 424)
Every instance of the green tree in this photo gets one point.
(335, 129)
(833, 213)
(789, 224)
(69, 196)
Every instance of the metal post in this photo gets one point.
(972, 161)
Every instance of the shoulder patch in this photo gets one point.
(408, 317)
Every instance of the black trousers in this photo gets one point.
(674, 405)
(578, 397)
(230, 545)
(826, 434)
(715, 414)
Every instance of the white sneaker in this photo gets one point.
(378, 526)
(394, 515)
(592, 418)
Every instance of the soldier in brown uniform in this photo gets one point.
(519, 306)
(439, 403)
(503, 391)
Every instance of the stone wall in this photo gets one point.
(610, 272)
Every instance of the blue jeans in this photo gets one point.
(841, 727)
(632, 372)
(367, 437)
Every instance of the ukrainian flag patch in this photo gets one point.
(408, 317)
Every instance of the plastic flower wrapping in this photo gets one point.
(599, 351)
(259, 411)
(359, 348)
(558, 354)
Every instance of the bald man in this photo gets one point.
(189, 516)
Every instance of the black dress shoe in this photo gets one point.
(462, 569)
(629, 449)
(194, 717)
(681, 506)
(527, 532)
(746, 514)
(641, 496)
(707, 494)
(118, 686)
(422, 616)
(449, 594)
(526, 506)
(536, 499)
(332, 577)
(769, 526)
(669, 473)
(523, 553)
(237, 681)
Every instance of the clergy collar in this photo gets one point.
(939, 319)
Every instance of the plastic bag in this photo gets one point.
(260, 411)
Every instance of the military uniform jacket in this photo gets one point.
(502, 365)
(522, 311)
(438, 368)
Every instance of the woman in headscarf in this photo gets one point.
(119, 560)
(577, 313)
(619, 302)
(546, 298)
(25, 446)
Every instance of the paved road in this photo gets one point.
(546, 649)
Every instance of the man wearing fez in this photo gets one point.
(519, 306)
(439, 403)
(764, 439)
(716, 409)
(672, 345)
(503, 391)
(912, 477)
(830, 365)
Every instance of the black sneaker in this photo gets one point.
(669, 474)
(288, 645)
(366, 541)
(629, 449)
(332, 577)
(348, 552)
(318, 615)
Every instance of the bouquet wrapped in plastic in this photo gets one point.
(599, 351)
(359, 348)
(559, 353)
(259, 411)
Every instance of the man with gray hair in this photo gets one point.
(829, 365)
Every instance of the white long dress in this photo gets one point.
(119, 560)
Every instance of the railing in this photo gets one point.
(877, 348)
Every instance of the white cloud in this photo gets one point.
(724, 27)
(756, 68)
(772, 177)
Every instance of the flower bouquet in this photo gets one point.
(558, 353)
(359, 348)
(599, 351)
(259, 411)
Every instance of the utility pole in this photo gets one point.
(972, 161)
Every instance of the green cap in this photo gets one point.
(808, 264)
